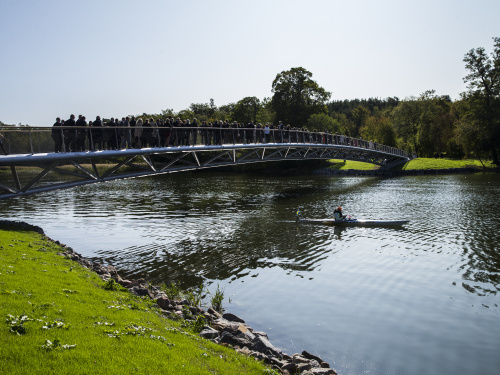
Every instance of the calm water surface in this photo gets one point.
(422, 299)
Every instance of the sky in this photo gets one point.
(115, 58)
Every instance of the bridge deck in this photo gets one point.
(87, 167)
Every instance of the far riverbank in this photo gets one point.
(415, 167)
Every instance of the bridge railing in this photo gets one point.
(33, 140)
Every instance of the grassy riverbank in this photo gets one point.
(59, 318)
(415, 164)
(431, 163)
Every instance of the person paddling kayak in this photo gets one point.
(337, 214)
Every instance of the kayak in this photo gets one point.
(355, 222)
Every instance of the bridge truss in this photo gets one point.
(26, 174)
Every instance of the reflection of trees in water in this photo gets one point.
(191, 261)
(243, 230)
(483, 266)
(226, 249)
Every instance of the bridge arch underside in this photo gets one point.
(31, 174)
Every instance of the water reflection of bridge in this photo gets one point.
(43, 170)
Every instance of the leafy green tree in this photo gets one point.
(185, 114)
(213, 107)
(379, 129)
(322, 122)
(373, 105)
(225, 112)
(479, 128)
(469, 131)
(167, 112)
(347, 126)
(266, 113)
(484, 76)
(297, 96)
(359, 116)
(406, 118)
(247, 109)
(424, 124)
(201, 109)
(436, 123)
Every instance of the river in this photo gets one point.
(421, 299)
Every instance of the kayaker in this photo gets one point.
(297, 215)
(337, 214)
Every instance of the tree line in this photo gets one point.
(427, 125)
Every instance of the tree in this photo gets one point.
(379, 129)
(481, 124)
(185, 114)
(436, 126)
(246, 110)
(201, 109)
(359, 116)
(213, 107)
(406, 118)
(322, 122)
(266, 113)
(484, 76)
(225, 112)
(167, 112)
(297, 96)
(424, 124)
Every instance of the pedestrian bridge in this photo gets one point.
(31, 165)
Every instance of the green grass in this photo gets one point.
(350, 164)
(90, 329)
(415, 164)
(431, 163)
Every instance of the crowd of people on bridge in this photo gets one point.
(74, 135)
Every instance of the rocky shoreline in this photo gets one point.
(222, 328)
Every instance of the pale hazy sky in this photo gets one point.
(115, 58)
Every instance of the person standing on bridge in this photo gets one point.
(96, 134)
(131, 124)
(69, 135)
(267, 133)
(1, 144)
(194, 131)
(125, 141)
(281, 128)
(250, 133)
(117, 139)
(80, 133)
(57, 135)
(137, 143)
